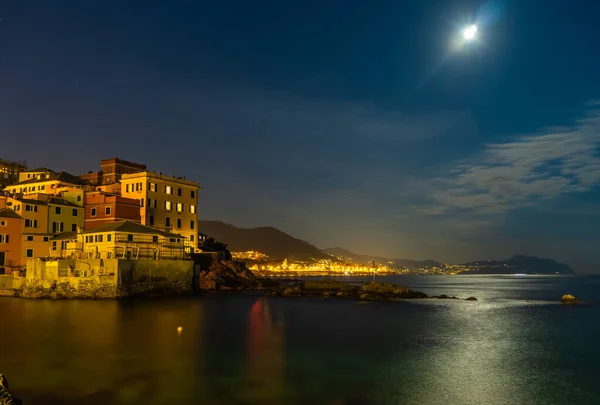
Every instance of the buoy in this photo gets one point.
(179, 329)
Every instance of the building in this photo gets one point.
(101, 207)
(111, 171)
(167, 203)
(38, 173)
(9, 172)
(131, 240)
(11, 226)
(35, 237)
(46, 183)
(64, 216)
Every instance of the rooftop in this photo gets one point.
(66, 236)
(62, 201)
(160, 176)
(38, 170)
(62, 176)
(130, 227)
(8, 213)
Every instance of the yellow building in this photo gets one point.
(168, 203)
(47, 183)
(127, 240)
(64, 216)
(39, 173)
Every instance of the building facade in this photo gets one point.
(35, 237)
(111, 171)
(53, 183)
(38, 173)
(11, 226)
(9, 172)
(64, 216)
(167, 203)
(131, 240)
(101, 208)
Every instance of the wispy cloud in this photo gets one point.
(511, 175)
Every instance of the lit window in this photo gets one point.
(179, 207)
(168, 205)
(168, 189)
(192, 209)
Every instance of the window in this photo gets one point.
(168, 205)
(152, 186)
(192, 237)
(155, 239)
(142, 202)
(46, 239)
(73, 227)
(58, 227)
(167, 221)
(75, 213)
(27, 207)
(29, 238)
(130, 238)
(35, 208)
(192, 209)
(57, 210)
(78, 198)
(178, 223)
(127, 188)
(179, 192)
(93, 212)
(149, 203)
(151, 220)
(168, 189)
(2, 223)
(28, 223)
(179, 207)
(192, 223)
(4, 238)
(29, 253)
(193, 194)
(54, 245)
(99, 238)
(109, 238)
(172, 240)
(107, 210)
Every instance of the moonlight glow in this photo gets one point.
(470, 32)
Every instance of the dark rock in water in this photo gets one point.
(386, 291)
(570, 299)
(471, 299)
(6, 398)
(292, 291)
(224, 275)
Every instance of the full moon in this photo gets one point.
(469, 32)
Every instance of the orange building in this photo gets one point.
(11, 225)
(101, 207)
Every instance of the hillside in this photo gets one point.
(365, 259)
(520, 264)
(273, 242)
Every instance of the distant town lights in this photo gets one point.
(470, 32)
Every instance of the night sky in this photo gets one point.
(346, 123)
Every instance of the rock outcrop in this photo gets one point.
(471, 299)
(374, 291)
(227, 275)
(570, 299)
(6, 398)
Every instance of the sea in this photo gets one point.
(517, 344)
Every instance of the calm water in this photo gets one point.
(516, 345)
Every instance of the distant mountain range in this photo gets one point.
(521, 264)
(273, 242)
(279, 245)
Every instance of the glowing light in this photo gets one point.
(470, 32)
(179, 329)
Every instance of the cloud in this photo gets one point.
(521, 173)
